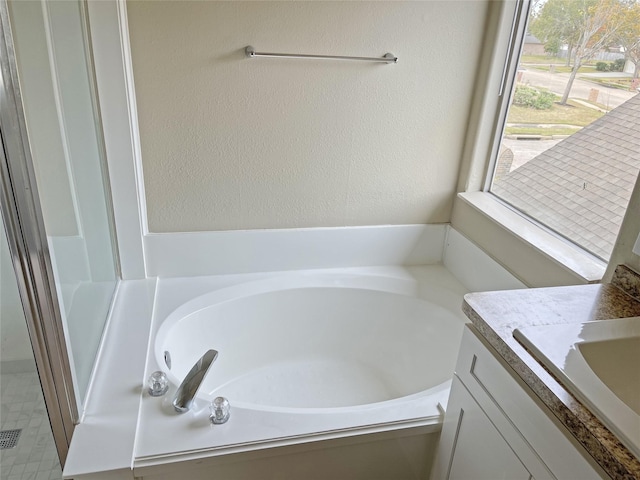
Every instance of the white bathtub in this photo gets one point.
(306, 357)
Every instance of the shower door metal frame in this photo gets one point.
(29, 250)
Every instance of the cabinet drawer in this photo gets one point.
(500, 393)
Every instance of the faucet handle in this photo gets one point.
(158, 384)
(220, 410)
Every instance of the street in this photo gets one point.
(525, 150)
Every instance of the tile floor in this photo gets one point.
(22, 406)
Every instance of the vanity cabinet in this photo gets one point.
(480, 451)
(496, 428)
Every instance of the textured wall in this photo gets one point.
(236, 143)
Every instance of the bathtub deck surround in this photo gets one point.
(121, 415)
(278, 332)
(102, 444)
(497, 314)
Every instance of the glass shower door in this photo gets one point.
(55, 79)
(55, 197)
(27, 449)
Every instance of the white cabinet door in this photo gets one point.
(471, 448)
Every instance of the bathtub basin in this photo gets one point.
(313, 342)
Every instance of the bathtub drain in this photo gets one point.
(9, 438)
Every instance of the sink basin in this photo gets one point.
(605, 357)
(599, 363)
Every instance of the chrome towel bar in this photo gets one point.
(388, 58)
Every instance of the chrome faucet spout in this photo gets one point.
(189, 387)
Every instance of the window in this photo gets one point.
(569, 153)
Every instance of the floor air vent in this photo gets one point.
(9, 438)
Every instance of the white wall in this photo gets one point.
(236, 143)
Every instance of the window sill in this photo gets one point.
(534, 255)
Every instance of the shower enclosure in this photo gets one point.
(55, 197)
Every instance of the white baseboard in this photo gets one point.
(245, 251)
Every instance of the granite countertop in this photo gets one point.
(497, 314)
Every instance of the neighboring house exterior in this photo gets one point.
(581, 187)
(629, 67)
(532, 46)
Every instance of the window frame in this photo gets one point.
(532, 252)
(515, 45)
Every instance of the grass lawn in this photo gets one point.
(552, 60)
(544, 131)
(599, 105)
(565, 69)
(573, 114)
(541, 59)
(621, 83)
